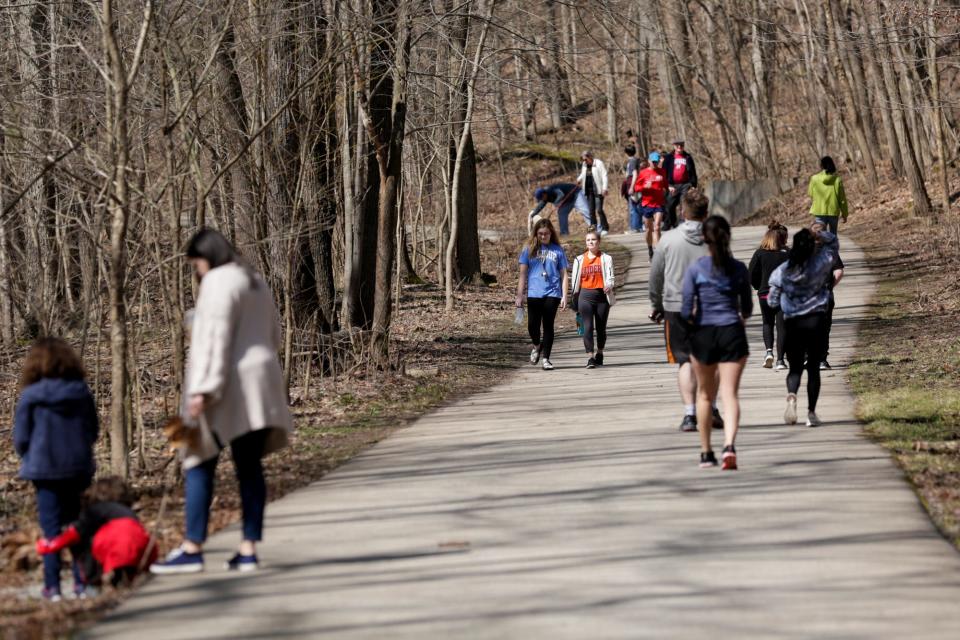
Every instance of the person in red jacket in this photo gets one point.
(108, 540)
(651, 184)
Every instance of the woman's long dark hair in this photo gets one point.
(217, 250)
(828, 165)
(716, 233)
(803, 247)
(212, 247)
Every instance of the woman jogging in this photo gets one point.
(771, 254)
(592, 281)
(800, 287)
(543, 280)
(826, 192)
(234, 392)
(717, 301)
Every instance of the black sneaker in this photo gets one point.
(598, 359)
(650, 252)
(242, 563)
(717, 419)
(708, 460)
(825, 365)
(781, 365)
(591, 363)
(689, 423)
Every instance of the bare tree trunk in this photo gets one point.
(461, 159)
(642, 79)
(556, 79)
(386, 124)
(876, 81)
(918, 190)
(934, 73)
(846, 79)
(121, 78)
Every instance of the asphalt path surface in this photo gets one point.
(567, 504)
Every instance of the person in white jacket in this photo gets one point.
(592, 282)
(594, 184)
(234, 392)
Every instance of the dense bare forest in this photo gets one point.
(337, 143)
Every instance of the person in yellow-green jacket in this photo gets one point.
(829, 199)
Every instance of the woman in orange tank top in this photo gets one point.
(592, 281)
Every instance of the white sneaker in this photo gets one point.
(790, 414)
(535, 355)
(813, 420)
(768, 359)
(547, 365)
(604, 233)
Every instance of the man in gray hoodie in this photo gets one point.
(678, 249)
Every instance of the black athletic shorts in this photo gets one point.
(710, 345)
(676, 333)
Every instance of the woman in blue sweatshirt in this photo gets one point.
(801, 287)
(717, 301)
(54, 429)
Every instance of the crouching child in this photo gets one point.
(109, 541)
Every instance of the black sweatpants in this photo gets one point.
(542, 312)
(594, 311)
(772, 318)
(806, 340)
(595, 204)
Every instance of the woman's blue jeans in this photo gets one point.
(247, 451)
(58, 504)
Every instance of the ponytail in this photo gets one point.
(716, 233)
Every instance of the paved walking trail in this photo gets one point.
(566, 504)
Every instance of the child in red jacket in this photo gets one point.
(110, 543)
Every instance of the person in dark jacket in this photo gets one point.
(681, 173)
(563, 196)
(54, 430)
(771, 254)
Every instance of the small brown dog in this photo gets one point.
(181, 435)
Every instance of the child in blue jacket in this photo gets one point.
(55, 428)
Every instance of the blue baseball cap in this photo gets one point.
(654, 156)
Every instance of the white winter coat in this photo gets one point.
(233, 361)
(606, 263)
(599, 171)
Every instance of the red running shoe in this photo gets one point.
(729, 459)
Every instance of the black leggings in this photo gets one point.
(542, 311)
(594, 311)
(830, 306)
(772, 317)
(806, 339)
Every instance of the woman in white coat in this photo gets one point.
(234, 390)
(592, 283)
(594, 186)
